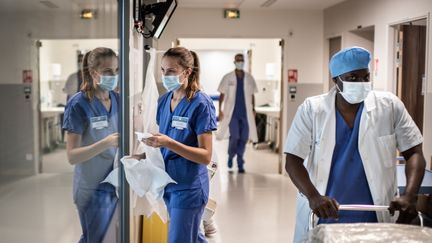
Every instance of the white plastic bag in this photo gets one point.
(150, 96)
(150, 203)
(144, 177)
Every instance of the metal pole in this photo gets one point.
(123, 26)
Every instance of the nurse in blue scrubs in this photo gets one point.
(91, 122)
(186, 118)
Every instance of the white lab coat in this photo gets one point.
(228, 87)
(384, 127)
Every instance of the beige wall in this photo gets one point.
(303, 47)
(19, 33)
(382, 14)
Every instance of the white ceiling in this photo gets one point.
(59, 5)
(68, 5)
(256, 4)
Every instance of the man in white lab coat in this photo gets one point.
(237, 118)
(342, 145)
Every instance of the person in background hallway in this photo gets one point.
(72, 86)
(237, 117)
(341, 149)
(186, 117)
(91, 122)
(74, 81)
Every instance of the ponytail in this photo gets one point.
(193, 82)
(87, 85)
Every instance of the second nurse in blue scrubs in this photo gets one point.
(186, 118)
(91, 122)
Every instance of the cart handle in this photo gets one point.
(359, 207)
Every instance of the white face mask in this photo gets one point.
(355, 92)
(239, 65)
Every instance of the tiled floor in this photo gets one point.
(254, 207)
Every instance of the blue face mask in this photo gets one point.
(108, 83)
(171, 83)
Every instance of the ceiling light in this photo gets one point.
(88, 14)
(231, 13)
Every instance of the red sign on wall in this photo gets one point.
(27, 76)
(292, 76)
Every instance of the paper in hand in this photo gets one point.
(143, 135)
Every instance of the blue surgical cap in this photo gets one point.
(349, 59)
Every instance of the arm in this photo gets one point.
(77, 154)
(200, 155)
(414, 172)
(253, 104)
(409, 141)
(414, 169)
(298, 146)
(221, 100)
(322, 206)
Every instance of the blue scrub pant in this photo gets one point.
(96, 216)
(239, 134)
(184, 225)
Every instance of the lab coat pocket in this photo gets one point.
(232, 91)
(388, 149)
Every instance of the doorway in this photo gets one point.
(263, 60)
(335, 45)
(410, 60)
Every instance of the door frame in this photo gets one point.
(283, 80)
(392, 45)
(392, 58)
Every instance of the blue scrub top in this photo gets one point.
(199, 116)
(347, 182)
(93, 122)
(239, 111)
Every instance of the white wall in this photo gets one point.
(217, 59)
(303, 47)
(344, 17)
(19, 33)
(21, 30)
(64, 52)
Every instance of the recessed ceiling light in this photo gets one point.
(88, 14)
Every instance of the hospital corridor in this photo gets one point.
(215, 121)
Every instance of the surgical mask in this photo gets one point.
(239, 65)
(171, 83)
(108, 83)
(355, 92)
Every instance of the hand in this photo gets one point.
(221, 115)
(324, 207)
(139, 156)
(158, 140)
(112, 140)
(406, 205)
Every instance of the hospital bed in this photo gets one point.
(374, 232)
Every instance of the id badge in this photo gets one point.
(99, 122)
(179, 122)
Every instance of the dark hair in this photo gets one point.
(187, 59)
(91, 61)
